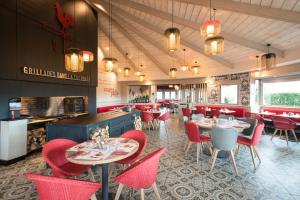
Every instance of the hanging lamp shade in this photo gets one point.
(172, 39)
(88, 56)
(173, 72)
(170, 86)
(268, 60)
(195, 69)
(126, 71)
(210, 28)
(137, 73)
(184, 68)
(176, 87)
(214, 45)
(74, 60)
(141, 77)
(110, 64)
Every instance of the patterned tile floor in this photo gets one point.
(277, 177)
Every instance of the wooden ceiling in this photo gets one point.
(247, 26)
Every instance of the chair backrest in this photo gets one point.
(143, 173)
(192, 131)
(141, 138)
(147, 116)
(165, 116)
(215, 112)
(200, 110)
(283, 122)
(54, 154)
(257, 134)
(186, 112)
(224, 138)
(255, 116)
(54, 188)
(253, 124)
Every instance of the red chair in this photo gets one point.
(164, 118)
(215, 113)
(54, 188)
(147, 117)
(186, 112)
(194, 136)
(255, 116)
(54, 154)
(141, 175)
(141, 138)
(251, 143)
(284, 124)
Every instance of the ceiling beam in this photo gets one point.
(137, 44)
(131, 63)
(195, 26)
(153, 28)
(250, 9)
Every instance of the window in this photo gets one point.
(285, 93)
(229, 94)
(159, 95)
(173, 95)
(167, 95)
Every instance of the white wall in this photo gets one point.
(108, 90)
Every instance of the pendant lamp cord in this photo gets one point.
(210, 9)
(184, 57)
(110, 28)
(172, 13)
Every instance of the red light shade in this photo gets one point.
(210, 28)
(88, 56)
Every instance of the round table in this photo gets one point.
(156, 113)
(87, 153)
(208, 123)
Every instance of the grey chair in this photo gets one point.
(224, 139)
(248, 132)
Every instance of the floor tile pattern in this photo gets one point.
(180, 177)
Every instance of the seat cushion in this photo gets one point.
(243, 140)
(253, 123)
(71, 169)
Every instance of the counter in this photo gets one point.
(79, 129)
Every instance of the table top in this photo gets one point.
(266, 113)
(222, 123)
(226, 111)
(88, 153)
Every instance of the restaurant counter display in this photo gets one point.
(79, 129)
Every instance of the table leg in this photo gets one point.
(104, 181)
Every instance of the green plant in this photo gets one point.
(287, 99)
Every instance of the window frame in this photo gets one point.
(237, 93)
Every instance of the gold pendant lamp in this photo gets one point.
(268, 60)
(172, 35)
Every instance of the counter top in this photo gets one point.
(91, 119)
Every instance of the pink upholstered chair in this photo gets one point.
(54, 154)
(141, 175)
(54, 188)
(194, 136)
(255, 116)
(186, 112)
(284, 124)
(141, 138)
(164, 118)
(251, 143)
(147, 117)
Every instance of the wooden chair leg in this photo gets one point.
(233, 162)
(198, 150)
(142, 194)
(237, 150)
(274, 134)
(189, 145)
(119, 191)
(280, 134)
(252, 155)
(255, 150)
(166, 126)
(156, 191)
(186, 144)
(286, 137)
(93, 197)
(294, 134)
(215, 153)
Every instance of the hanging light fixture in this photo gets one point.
(268, 60)
(211, 27)
(184, 67)
(141, 77)
(172, 35)
(73, 57)
(137, 73)
(257, 63)
(172, 72)
(170, 86)
(214, 45)
(176, 87)
(126, 71)
(88, 56)
(196, 68)
(110, 63)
